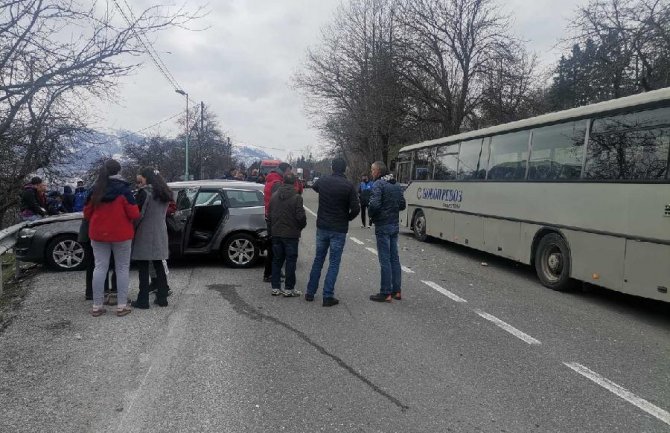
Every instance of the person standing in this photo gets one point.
(386, 202)
(338, 204)
(68, 199)
(150, 245)
(34, 200)
(80, 197)
(364, 190)
(111, 211)
(287, 219)
(272, 182)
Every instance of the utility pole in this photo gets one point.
(202, 132)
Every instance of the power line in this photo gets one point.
(139, 131)
(155, 58)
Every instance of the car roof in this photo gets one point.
(217, 183)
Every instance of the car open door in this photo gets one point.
(185, 202)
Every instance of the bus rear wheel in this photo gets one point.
(552, 262)
(419, 226)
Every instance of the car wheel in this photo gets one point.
(65, 253)
(240, 251)
(419, 226)
(552, 262)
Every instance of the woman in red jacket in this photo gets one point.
(110, 211)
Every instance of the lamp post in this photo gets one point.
(181, 92)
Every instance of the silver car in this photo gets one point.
(221, 217)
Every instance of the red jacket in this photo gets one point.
(270, 182)
(112, 221)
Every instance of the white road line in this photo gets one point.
(372, 250)
(622, 392)
(444, 291)
(309, 210)
(406, 270)
(359, 242)
(509, 328)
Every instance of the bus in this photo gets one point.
(267, 165)
(580, 194)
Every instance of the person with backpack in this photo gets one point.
(80, 196)
(111, 211)
(68, 199)
(150, 246)
(364, 190)
(272, 182)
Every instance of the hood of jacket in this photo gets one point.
(274, 177)
(29, 186)
(286, 191)
(117, 186)
(389, 178)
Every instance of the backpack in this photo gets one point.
(79, 200)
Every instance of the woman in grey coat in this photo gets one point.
(150, 245)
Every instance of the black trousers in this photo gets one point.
(161, 282)
(364, 208)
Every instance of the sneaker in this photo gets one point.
(362, 227)
(308, 297)
(380, 297)
(291, 293)
(161, 303)
(135, 304)
(276, 292)
(329, 302)
(397, 296)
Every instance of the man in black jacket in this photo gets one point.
(338, 204)
(287, 219)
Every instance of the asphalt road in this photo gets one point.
(470, 348)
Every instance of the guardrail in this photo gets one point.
(7, 242)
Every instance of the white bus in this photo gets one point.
(580, 194)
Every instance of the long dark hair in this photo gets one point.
(161, 191)
(110, 167)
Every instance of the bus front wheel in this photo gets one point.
(419, 226)
(552, 262)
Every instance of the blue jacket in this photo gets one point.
(386, 201)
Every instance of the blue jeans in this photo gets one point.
(389, 261)
(326, 239)
(284, 249)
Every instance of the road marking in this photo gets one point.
(372, 250)
(509, 328)
(357, 241)
(309, 210)
(444, 291)
(622, 392)
(406, 270)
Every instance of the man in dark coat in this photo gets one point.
(34, 200)
(287, 219)
(68, 199)
(338, 204)
(273, 180)
(386, 202)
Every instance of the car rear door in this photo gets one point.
(185, 202)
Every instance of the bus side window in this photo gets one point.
(557, 152)
(468, 159)
(632, 146)
(446, 162)
(423, 164)
(509, 153)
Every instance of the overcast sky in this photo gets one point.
(241, 67)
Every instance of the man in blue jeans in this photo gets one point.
(338, 204)
(287, 219)
(386, 202)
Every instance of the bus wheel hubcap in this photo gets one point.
(554, 262)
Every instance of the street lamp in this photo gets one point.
(181, 92)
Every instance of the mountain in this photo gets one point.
(248, 154)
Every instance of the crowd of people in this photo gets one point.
(121, 226)
(339, 203)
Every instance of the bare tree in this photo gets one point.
(452, 51)
(54, 56)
